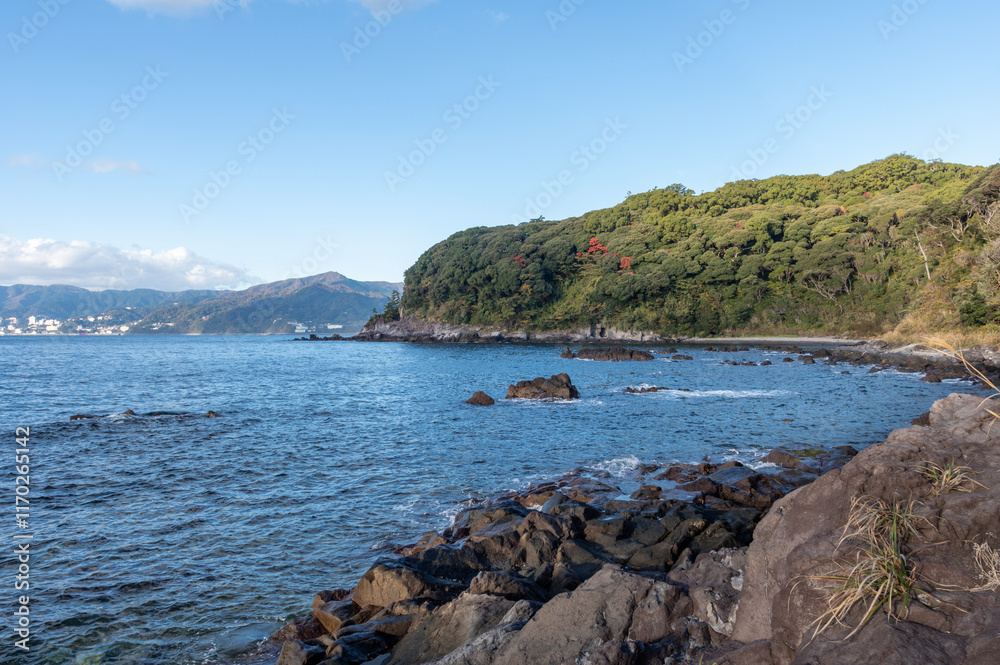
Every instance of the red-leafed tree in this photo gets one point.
(596, 246)
(626, 263)
(519, 260)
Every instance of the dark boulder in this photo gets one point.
(681, 356)
(479, 398)
(613, 354)
(295, 652)
(559, 386)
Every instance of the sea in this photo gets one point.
(171, 537)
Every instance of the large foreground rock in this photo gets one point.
(559, 386)
(798, 540)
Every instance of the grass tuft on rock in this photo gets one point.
(879, 574)
(948, 478)
(988, 563)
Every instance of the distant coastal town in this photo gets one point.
(89, 325)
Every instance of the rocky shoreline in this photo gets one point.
(702, 563)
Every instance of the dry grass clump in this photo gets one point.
(988, 563)
(949, 478)
(879, 575)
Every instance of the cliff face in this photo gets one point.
(413, 329)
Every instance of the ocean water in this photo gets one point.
(182, 539)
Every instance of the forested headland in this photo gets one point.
(898, 246)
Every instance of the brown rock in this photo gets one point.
(556, 387)
(479, 398)
(613, 354)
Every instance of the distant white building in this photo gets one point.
(31, 320)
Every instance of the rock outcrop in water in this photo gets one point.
(556, 387)
(569, 572)
(412, 329)
(479, 398)
(608, 354)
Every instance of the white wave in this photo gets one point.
(619, 466)
(732, 394)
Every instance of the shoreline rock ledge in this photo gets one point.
(571, 572)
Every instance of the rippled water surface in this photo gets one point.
(182, 539)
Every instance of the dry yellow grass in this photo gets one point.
(988, 563)
(948, 478)
(879, 573)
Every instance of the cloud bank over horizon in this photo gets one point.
(44, 262)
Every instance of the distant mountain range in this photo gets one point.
(314, 302)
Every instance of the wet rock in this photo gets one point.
(559, 386)
(640, 391)
(875, 370)
(301, 629)
(786, 460)
(766, 363)
(681, 356)
(567, 354)
(295, 652)
(647, 493)
(479, 398)
(788, 360)
(82, 417)
(807, 360)
(333, 614)
(213, 414)
(130, 412)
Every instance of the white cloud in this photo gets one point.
(25, 160)
(499, 17)
(108, 166)
(93, 266)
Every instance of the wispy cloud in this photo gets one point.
(109, 166)
(95, 266)
(25, 161)
(498, 17)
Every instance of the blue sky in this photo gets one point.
(234, 142)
